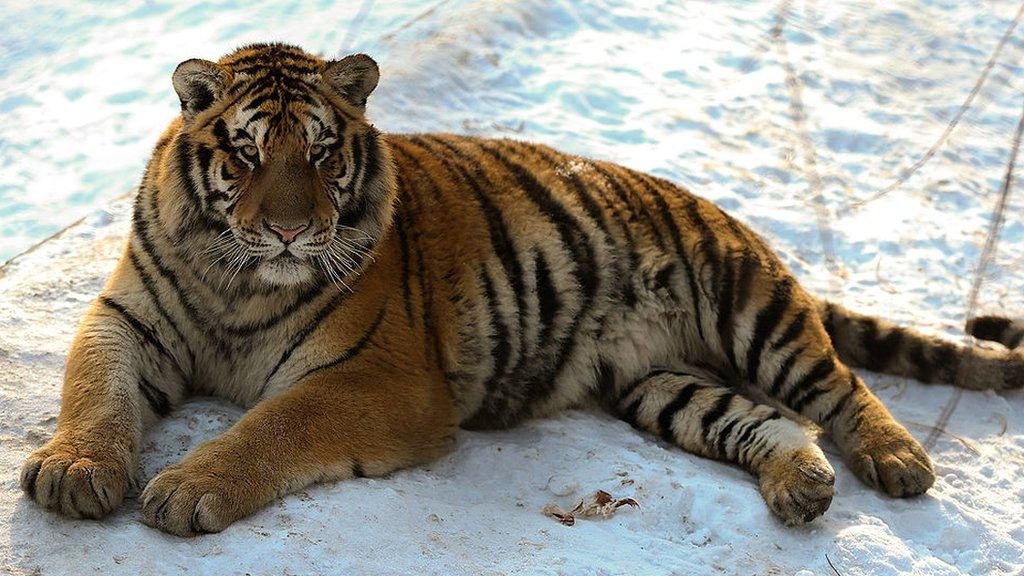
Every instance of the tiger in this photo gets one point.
(367, 295)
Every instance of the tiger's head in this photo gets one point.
(280, 171)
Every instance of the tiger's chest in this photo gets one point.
(249, 372)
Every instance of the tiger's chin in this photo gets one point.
(284, 271)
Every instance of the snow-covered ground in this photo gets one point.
(694, 91)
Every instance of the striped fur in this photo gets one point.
(429, 281)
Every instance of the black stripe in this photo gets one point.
(822, 369)
(353, 350)
(629, 388)
(261, 114)
(723, 436)
(155, 397)
(357, 163)
(623, 192)
(225, 174)
(725, 310)
(597, 215)
(502, 346)
(663, 277)
(880, 350)
(767, 320)
(828, 318)
(259, 100)
(220, 132)
(708, 240)
(668, 413)
(918, 357)
(357, 470)
(431, 339)
(812, 394)
(841, 404)
(500, 238)
(717, 411)
(750, 426)
(205, 157)
(300, 300)
(150, 285)
(315, 322)
(946, 359)
(783, 373)
(606, 384)
(403, 245)
(548, 302)
(630, 414)
(792, 332)
(759, 444)
(587, 201)
(184, 149)
(142, 329)
(748, 265)
(371, 160)
(501, 241)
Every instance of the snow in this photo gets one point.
(695, 92)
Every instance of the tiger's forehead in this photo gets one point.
(259, 59)
(275, 94)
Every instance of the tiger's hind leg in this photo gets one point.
(791, 358)
(694, 410)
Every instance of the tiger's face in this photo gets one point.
(288, 172)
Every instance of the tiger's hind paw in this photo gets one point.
(893, 462)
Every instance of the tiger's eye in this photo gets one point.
(316, 150)
(250, 151)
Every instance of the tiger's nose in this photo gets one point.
(287, 235)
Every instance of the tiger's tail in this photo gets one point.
(881, 346)
(1009, 333)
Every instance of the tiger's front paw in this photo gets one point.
(75, 480)
(186, 500)
(798, 486)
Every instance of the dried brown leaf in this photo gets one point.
(600, 505)
(556, 512)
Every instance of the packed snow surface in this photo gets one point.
(783, 113)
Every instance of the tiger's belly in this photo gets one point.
(640, 321)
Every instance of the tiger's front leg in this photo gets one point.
(332, 425)
(88, 465)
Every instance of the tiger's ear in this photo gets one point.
(198, 83)
(354, 77)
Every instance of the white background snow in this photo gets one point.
(694, 91)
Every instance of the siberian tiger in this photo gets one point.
(367, 294)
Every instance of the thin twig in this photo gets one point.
(832, 566)
(798, 113)
(984, 261)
